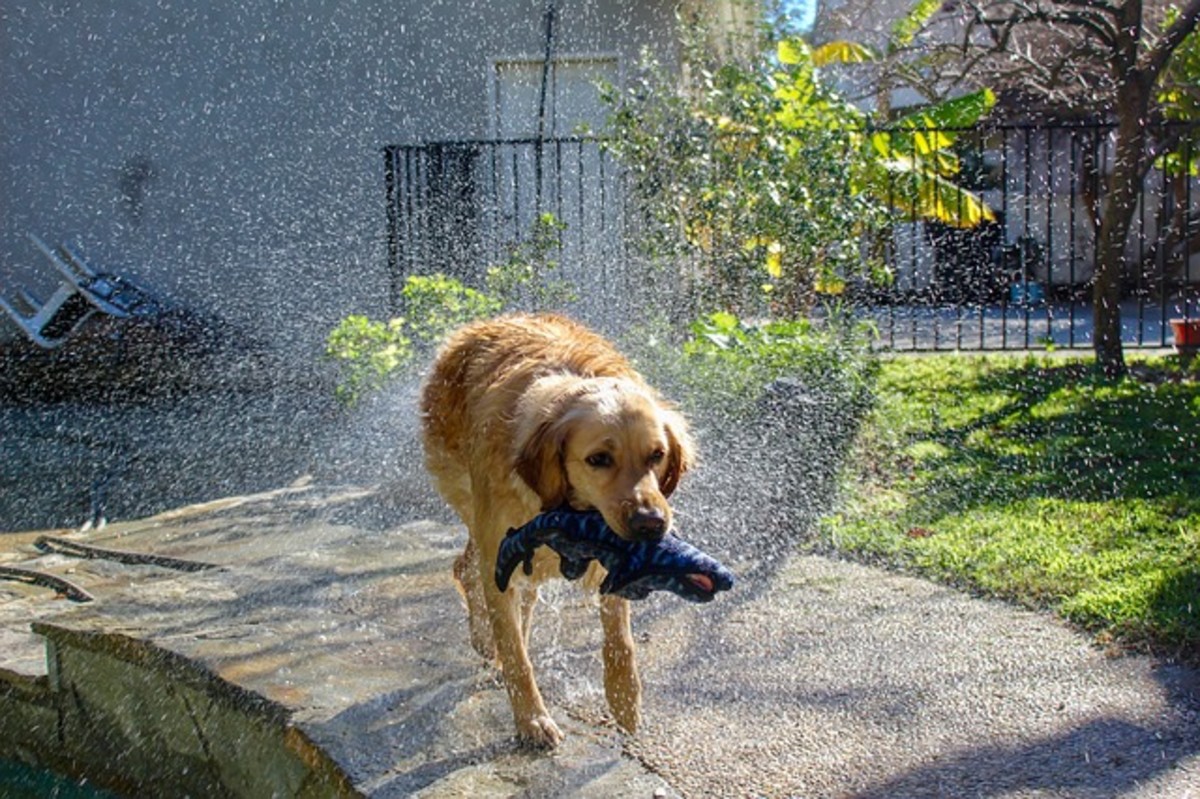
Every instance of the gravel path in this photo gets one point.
(833, 679)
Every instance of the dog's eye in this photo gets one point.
(599, 460)
(656, 457)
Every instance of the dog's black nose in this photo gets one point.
(648, 524)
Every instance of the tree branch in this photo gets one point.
(1092, 5)
(1184, 24)
(1098, 26)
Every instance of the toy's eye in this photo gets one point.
(656, 457)
(599, 460)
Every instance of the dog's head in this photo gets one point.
(608, 444)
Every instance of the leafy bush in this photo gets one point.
(763, 189)
(745, 181)
(369, 353)
(727, 365)
(437, 304)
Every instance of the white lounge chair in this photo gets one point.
(52, 322)
(81, 293)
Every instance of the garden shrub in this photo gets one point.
(370, 353)
(727, 366)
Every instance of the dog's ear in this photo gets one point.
(542, 426)
(681, 452)
(539, 462)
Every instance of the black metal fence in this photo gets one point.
(1024, 280)
(1021, 281)
(461, 207)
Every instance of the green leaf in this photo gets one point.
(793, 51)
(907, 27)
(930, 196)
(723, 321)
(960, 112)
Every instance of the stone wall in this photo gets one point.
(142, 721)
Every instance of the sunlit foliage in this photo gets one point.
(764, 183)
(370, 353)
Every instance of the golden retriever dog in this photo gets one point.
(527, 413)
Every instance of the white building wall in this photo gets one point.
(229, 155)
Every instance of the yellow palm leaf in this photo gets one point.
(842, 52)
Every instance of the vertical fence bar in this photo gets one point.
(989, 268)
(561, 235)
(1139, 289)
(957, 293)
(1162, 229)
(558, 187)
(585, 257)
(1051, 196)
(1162, 256)
(602, 193)
(412, 201)
(516, 190)
(1075, 158)
(1027, 215)
(420, 197)
(914, 259)
(893, 252)
(392, 211)
(1098, 213)
(1191, 222)
(1004, 206)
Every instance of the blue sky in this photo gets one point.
(801, 12)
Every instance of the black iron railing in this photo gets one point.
(1022, 281)
(460, 207)
(1025, 280)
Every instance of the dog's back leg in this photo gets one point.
(467, 575)
(453, 482)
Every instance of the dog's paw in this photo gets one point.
(540, 732)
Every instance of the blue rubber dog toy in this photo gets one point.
(635, 568)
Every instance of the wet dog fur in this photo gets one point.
(527, 413)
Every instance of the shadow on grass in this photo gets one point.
(1065, 434)
(1041, 481)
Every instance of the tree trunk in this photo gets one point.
(1122, 191)
(1122, 187)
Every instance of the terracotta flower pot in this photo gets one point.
(1187, 333)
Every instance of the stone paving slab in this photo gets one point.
(358, 636)
(813, 678)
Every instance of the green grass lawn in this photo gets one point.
(1034, 480)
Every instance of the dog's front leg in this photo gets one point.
(466, 575)
(622, 686)
(533, 721)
